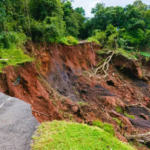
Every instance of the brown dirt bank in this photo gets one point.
(58, 87)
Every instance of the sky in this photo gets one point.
(89, 4)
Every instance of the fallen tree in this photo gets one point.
(142, 138)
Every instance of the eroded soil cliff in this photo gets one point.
(57, 85)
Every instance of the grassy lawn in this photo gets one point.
(14, 55)
(73, 136)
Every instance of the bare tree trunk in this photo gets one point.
(142, 138)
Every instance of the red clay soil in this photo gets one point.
(57, 86)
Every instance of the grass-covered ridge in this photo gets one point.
(12, 56)
(67, 135)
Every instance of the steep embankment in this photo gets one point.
(57, 85)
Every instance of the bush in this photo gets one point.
(119, 110)
(98, 37)
(10, 49)
(68, 40)
(93, 39)
(7, 39)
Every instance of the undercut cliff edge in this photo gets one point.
(58, 87)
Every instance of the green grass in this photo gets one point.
(107, 127)
(129, 116)
(69, 40)
(73, 136)
(119, 110)
(14, 55)
(119, 122)
(82, 103)
(146, 54)
(119, 51)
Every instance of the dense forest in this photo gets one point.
(55, 21)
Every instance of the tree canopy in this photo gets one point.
(53, 20)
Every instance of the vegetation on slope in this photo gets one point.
(66, 135)
(55, 21)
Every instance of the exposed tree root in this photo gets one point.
(104, 67)
(142, 138)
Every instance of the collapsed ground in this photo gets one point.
(57, 85)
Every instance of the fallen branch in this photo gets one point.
(142, 138)
(41, 113)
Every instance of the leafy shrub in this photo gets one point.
(98, 37)
(119, 109)
(7, 39)
(146, 54)
(119, 122)
(72, 40)
(68, 40)
(93, 39)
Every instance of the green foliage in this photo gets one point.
(146, 54)
(98, 124)
(127, 26)
(45, 8)
(126, 54)
(68, 40)
(107, 127)
(80, 10)
(119, 122)
(129, 116)
(82, 103)
(74, 19)
(14, 55)
(48, 24)
(119, 109)
(93, 39)
(66, 135)
(98, 37)
(7, 39)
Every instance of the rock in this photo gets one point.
(112, 102)
(148, 76)
(75, 109)
(144, 116)
(69, 102)
(124, 120)
(145, 79)
(140, 123)
(139, 73)
(129, 66)
(35, 114)
(79, 120)
(121, 137)
(131, 90)
(147, 99)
